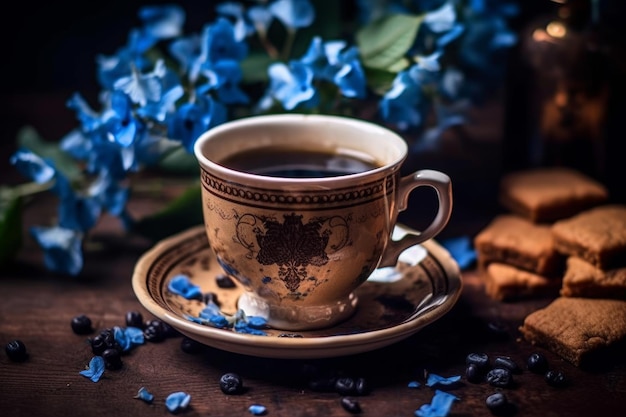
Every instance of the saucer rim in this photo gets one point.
(307, 347)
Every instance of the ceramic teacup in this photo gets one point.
(300, 210)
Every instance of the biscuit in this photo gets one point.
(582, 279)
(506, 283)
(544, 195)
(597, 235)
(584, 331)
(516, 241)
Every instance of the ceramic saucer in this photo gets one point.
(394, 303)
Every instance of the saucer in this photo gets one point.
(394, 303)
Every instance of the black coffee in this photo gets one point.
(295, 163)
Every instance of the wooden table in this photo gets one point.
(37, 308)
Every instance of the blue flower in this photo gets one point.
(293, 13)
(194, 118)
(439, 406)
(292, 85)
(62, 248)
(163, 21)
(177, 401)
(219, 42)
(236, 11)
(401, 104)
(182, 285)
(224, 77)
(95, 370)
(79, 212)
(32, 166)
(144, 395)
(142, 88)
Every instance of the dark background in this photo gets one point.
(50, 49)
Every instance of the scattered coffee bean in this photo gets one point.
(481, 360)
(81, 324)
(499, 377)
(474, 374)
(345, 386)
(537, 363)
(231, 383)
(224, 281)
(112, 359)
(555, 378)
(134, 319)
(191, 346)
(350, 405)
(154, 334)
(16, 351)
(508, 363)
(104, 340)
(361, 386)
(498, 404)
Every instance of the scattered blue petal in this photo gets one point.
(128, 337)
(257, 410)
(177, 401)
(414, 384)
(437, 380)
(461, 249)
(182, 285)
(144, 395)
(95, 370)
(439, 406)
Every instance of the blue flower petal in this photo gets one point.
(182, 285)
(293, 13)
(439, 406)
(144, 395)
(461, 250)
(435, 380)
(32, 166)
(257, 409)
(414, 384)
(62, 248)
(177, 401)
(95, 370)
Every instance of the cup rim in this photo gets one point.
(292, 118)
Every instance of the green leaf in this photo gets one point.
(10, 224)
(181, 214)
(29, 138)
(254, 67)
(385, 42)
(179, 161)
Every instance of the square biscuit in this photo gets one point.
(597, 235)
(516, 241)
(506, 283)
(582, 279)
(544, 195)
(584, 331)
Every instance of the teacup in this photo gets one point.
(300, 210)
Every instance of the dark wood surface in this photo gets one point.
(37, 308)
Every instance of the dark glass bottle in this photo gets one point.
(568, 94)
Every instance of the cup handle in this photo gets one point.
(443, 186)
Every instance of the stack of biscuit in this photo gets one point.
(516, 251)
(560, 237)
